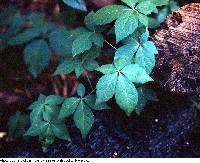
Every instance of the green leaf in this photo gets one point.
(60, 42)
(149, 94)
(108, 14)
(49, 112)
(36, 18)
(143, 19)
(60, 131)
(145, 59)
(37, 56)
(77, 4)
(125, 25)
(127, 52)
(174, 5)
(65, 67)
(107, 69)
(160, 2)
(131, 3)
(106, 87)
(144, 37)
(82, 43)
(81, 90)
(36, 128)
(84, 119)
(68, 107)
(146, 7)
(90, 101)
(136, 74)
(37, 114)
(25, 36)
(163, 13)
(141, 102)
(97, 39)
(126, 94)
(17, 124)
(54, 100)
(120, 63)
(144, 94)
(79, 69)
(90, 64)
(89, 21)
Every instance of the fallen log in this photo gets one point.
(178, 43)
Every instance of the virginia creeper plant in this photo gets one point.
(77, 50)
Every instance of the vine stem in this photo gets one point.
(110, 44)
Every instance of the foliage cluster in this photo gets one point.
(77, 50)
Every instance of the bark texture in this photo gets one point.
(178, 43)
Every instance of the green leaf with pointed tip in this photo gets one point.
(108, 14)
(82, 43)
(107, 69)
(125, 25)
(146, 7)
(77, 4)
(126, 94)
(106, 87)
(65, 67)
(81, 90)
(79, 69)
(84, 119)
(68, 107)
(136, 74)
(37, 56)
